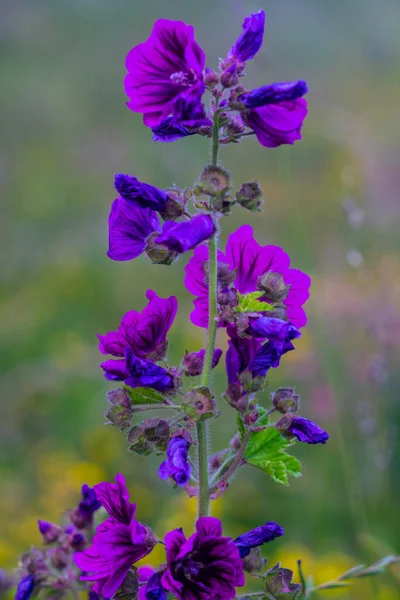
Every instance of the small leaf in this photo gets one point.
(251, 303)
(333, 585)
(379, 566)
(145, 395)
(351, 572)
(266, 450)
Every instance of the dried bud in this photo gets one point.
(193, 363)
(285, 400)
(254, 562)
(176, 203)
(235, 127)
(250, 196)
(252, 384)
(211, 78)
(49, 531)
(200, 404)
(229, 78)
(278, 583)
(34, 563)
(59, 557)
(274, 286)
(156, 431)
(250, 418)
(225, 274)
(158, 253)
(119, 415)
(138, 442)
(236, 396)
(212, 181)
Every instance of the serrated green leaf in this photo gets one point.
(266, 451)
(145, 395)
(251, 303)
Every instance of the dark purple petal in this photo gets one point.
(144, 373)
(205, 566)
(269, 355)
(115, 499)
(276, 330)
(25, 588)
(115, 370)
(188, 109)
(141, 194)
(307, 431)
(277, 124)
(129, 227)
(176, 466)
(274, 93)
(250, 41)
(185, 235)
(241, 353)
(161, 68)
(258, 536)
(169, 131)
(154, 589)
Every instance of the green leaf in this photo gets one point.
(251, 303)
(145, 395)
(266, 450)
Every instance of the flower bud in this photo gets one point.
(138, 442)
(49, 531)
(59, 557)
(236, 396)
(278, 583)
(212, 181)
(252, 384)
(273, 285)
(250, 196)
(200, 404)
(254, 562)
(175, 206)
(193, 363)
(119, 415)
(229, 77)
(211, 78)
(78, 541)
(234, 127)
(285, 400)
(159, 254)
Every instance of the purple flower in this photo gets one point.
(184, 236)
(303, 429)
(277, 124)
(241, 352)
(250, 41)
(154, 589)
(119, 542)
(49, 531)
(207, 565)
(176, 466)
(25, 588)
(145, 373)
(169, 131)
(193, 363)
(269, 355)
(82, 516)
(276, 330)
(141, 194)
(257, 537)
(188, 109)
(144, 574)
(129, 227)
(161, 69)
(250, 262)
(274, 94)
(145, 333)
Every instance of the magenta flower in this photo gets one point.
(161, 69)
(251, 262)
(207, 565)
(277, 124)
(129, 228)
(145, 333)
(250, 41)
(181, 237)
(119, 542)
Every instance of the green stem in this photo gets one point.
(202, 426)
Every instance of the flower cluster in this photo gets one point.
(249, 291)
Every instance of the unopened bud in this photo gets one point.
(59, 557)
(250, 196)
(274, 286)
(176, 203)
(138, 442)
(158, 253)
(211, 78)
(236, 396)
(252, 384)
(254, 562)
(235, 442)
(49, 531)
(229, 77)
(285, 400)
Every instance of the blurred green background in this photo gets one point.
(332, 201)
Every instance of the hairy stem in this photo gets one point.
(202, 427)
(236, 463)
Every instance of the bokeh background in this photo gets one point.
(332, 201)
